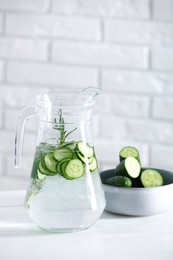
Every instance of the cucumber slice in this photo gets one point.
(85, 149)
(59, 166)
(74, 169)
(84, 159)
(119, 181)
(93, 165)
(129, 151)
(63, 153)
(40, 176)
(130, 167)
(42, 169)
(50, 162)
(151, 178)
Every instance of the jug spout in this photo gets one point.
(88, 94)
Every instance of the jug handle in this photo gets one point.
(25, 114)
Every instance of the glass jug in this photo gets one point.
(65, 192)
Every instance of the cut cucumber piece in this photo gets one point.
(130, 167)
(50, 162)
(42, 169)
(119, 181)
(93, 165)
(85, 149)
(63, 153)
(151, 178)
(84, 159)
(40, 176)
(59, 166)
(74, 169)
(129, 151)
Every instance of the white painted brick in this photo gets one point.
(162, 58)
(131, 105)
(161, 156)
(1, 23)
(8, 141)
(20, 96)
(24, 49)
(24, 5)
(1, 70)
(53, 26)
(149, 131)
(130, 32)
(137, 129)
(123, 104)
(100, 54)
(11, 119)
(51, 74)
(163, 107)
(137, 82)
(118, 8)
(163, 10)
(113, 127)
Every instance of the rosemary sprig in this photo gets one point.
(60, 126)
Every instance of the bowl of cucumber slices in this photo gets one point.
(131, 189)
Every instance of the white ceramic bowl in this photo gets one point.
(138, 201)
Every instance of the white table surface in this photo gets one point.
(111, 237)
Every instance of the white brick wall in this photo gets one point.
(122, 46)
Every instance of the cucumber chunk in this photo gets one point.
(62, 153)
(50, 162)
(119, 181)
(85, 149)
(74, 169)
(130, 167)
(151, 178)
(129, 151)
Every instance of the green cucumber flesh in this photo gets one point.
(40, 175)
(151, 178)
(93, 165)
(59, 166)
(84, 159)
(130, 167)
(63, 153)
(74, 169)
(42, 169)
(85, 149)
(50, 162)
(129, 151)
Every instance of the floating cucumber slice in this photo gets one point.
(85, 149)
(40, 175)
(129, 151)
(42, 169)
(151, 178)
(63, 153)
(93, 165)
(74, 169)
(50, 162)
(85, 159)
